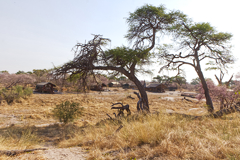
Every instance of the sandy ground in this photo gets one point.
(73, 153)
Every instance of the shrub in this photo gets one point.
(67, 111)
(9, 96)
(15, 93)
(27, 92)
(18, 90)
(221, 94)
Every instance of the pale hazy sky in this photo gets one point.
(36, 33)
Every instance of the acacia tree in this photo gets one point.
(91, 57)
(164, 79)
(198, 42)
(41, 75)
(180, 80)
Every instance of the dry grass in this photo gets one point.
(18, 138)
(157, 135)
(163, 136)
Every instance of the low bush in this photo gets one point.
(27, 92)
(67, 111)
(15, 93)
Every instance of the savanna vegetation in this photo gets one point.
(160, 126)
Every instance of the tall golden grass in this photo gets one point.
(163, 136)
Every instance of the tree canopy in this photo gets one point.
(149, 20)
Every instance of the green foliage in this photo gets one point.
(125, 56)
(67, 111)
(164, 79)
(74, 77)
(206, 32)
(195, 81)
(207, 37)
(149, 10)
(9, 96)
(18, 89)
(15, 93)
(179, 80)
(20, 72)
(29, 72)
(27, 92)
(4, 71)
(40, 72)
(147, 20)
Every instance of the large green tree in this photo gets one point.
(91, 57)
(198, 42)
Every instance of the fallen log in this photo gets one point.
(109, 116)
(217, 114)
(226, 111)
(119, 128)
(188, 94)
(130, 97)
(15, 152)
(187, 99)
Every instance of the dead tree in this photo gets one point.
(220, 83)
(121, 109)
(220, 79)
(140, 102)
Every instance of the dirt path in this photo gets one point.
(73, 153)
(65, 154)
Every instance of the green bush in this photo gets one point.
(9, 96)
(19, 90)
(67, 111)
(27, 92)
(15, 93)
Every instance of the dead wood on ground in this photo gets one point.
(15, 152)
(121, 109)
(187, 99)
(217, 114)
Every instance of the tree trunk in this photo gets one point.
(133, 78)
(142, 91)
(206, 91)
(203, 81)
